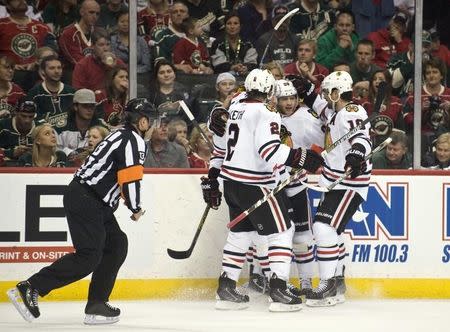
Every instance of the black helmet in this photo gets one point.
(138, 107)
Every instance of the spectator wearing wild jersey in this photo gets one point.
(338, 205)
(250, 158)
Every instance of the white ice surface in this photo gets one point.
(193, 316)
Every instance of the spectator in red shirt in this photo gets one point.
(114, 97)
(90, 72)
(20, 37)
(201, 152)
(390, 40)
(10, 93)
(305, 65)
(75, 40)
(189, 53)
(155, 17)
(437, 49)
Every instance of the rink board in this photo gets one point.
(398, 243)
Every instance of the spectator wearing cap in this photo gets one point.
(313, 19)
(10, 93)
(15, 132)
(255, 18)
(225, 87)
(163, 153)
(338, 43)
(231, 53)
(72, 138)
(279, 43)
(401, 66)
(43, 152)
(91, 71)
(437, 49)
(52, 97)
(390, 40)
(306, 66)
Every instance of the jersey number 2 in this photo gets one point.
(233, 133)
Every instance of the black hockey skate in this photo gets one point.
(258, 283)
(228, 297)
(323, 295)
(281, 298)
(29, 308)
(101, 313)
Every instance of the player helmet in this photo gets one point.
(284, 88)
(138, 107)
(260, 80)
(340, 80)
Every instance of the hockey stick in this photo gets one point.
(189, 114)
(277, 26)
(187, 253)
(347, 173)
(277, 189)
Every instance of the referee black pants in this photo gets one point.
(100, 246)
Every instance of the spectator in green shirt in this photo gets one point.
(396, 155)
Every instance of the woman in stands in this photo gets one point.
(231, 53)
(44, 153)
(166, 91)
(60, 13)
(115, 96)
(201, 152)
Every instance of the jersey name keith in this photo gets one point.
(237, 115)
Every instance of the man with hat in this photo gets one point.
(282, 41)
(72, 138)
(15, 132)
(390, 40)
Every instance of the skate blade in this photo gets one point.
(100, 320)
(14, 296)
(282, 307)
(327, 302)
(228, 305)
(339, 298)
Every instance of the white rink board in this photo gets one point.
(412, 239)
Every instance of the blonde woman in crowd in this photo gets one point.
(43, 153)
(201, 152)
(94, 135)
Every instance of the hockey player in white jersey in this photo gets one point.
(303, 129)
(252, 160)
(338, 205)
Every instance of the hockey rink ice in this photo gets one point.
(193, 316)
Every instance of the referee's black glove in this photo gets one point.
(355, 160)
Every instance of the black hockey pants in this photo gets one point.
(100, 246)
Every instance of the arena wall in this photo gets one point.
(398, 243)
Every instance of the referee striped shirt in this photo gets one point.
(115, 168)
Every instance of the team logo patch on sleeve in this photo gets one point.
(351, 108)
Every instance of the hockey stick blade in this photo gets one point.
(187, 253)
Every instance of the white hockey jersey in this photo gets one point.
(251, 152)
(338, 124)
(305, 128)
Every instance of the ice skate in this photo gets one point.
(258, 283)
(98, 313)
(323, 295)
(25, 299)
(228, 297)
(281, 298)
(305, 287)
(341, 288)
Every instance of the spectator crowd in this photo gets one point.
(64, 70)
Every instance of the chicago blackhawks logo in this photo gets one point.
(24, 45)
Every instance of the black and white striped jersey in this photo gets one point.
(115, 168)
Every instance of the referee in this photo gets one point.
(114, 169)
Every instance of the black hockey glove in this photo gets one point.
(218, 121)
(210, 187)
(303, 86)
(306, 159)
(355, 160)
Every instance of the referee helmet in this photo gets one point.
(140, 107)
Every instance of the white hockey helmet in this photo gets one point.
(284, 88)
(340, 80)
(260, 80)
